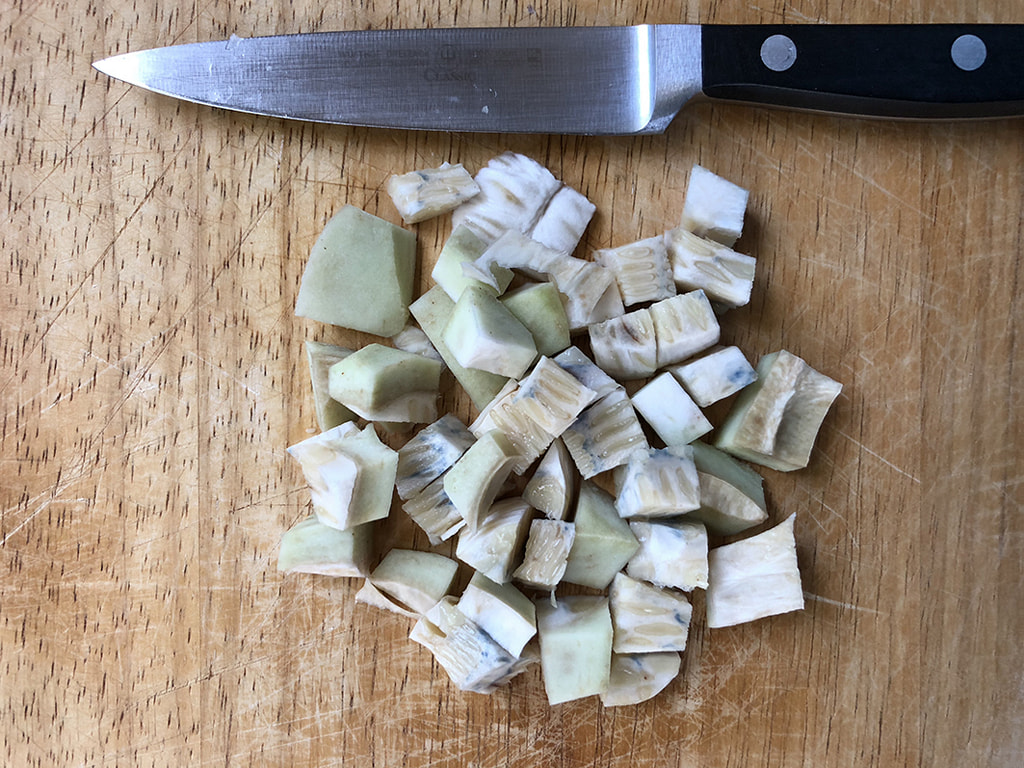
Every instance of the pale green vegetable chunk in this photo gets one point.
(309, 546)
(575, 646)
(483, 334)
(475, 479)
(754, 578)
(731, 493)
(387, 384)
(329, 412)
(670, 555)
(360, 274)
(432, 311)
(416, 579)
(647, 619)
(501, 610)
(671, 412)
(495, 546)
(465, 246)
(636, 678)
(603, 543)
(538, 306)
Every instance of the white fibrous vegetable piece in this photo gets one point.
(360, 274)
(670, 555)
(641, 269)
(373, 597)
(635, 678)
(501, 610)
(564, 220)
(432, 311)
(482, 334)
(465, 246)
(575, 646)
(412, 339)
(550, 489)
(309, 546)
(775, 421)
(538, 306)
(683, 325)
(671, 412)
(586, 371)
(434, 512)
(626, 347)
(547, 549)
(415, 579)
(475, 480)
(386, 384)
(351, 475)
(589, 290)
(731, 493)
(329, 412)
(422, 195)
(657, 483)
(647, 619)
(514, 190)
(714, 207)
(603, 542)
(512, 250)
(715, 375)
(474, 661)
(484, 422)
(605, 435)
(725, 276)
(754, 578)
(428, 454)
(494, 546)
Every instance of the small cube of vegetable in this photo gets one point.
(481, 333)
(603, 543)
(575, 646)
(387, 384)
(309, 546)
(671, 412)
(670, 555)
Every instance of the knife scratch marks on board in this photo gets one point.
(840, 604)
(878, 456)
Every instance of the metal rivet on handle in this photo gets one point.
(968, 52)
(778, 53)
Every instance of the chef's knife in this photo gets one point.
(592, 80)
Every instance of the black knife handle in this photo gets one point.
(932, 71)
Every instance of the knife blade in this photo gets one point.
(592, 80)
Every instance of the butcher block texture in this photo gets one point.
(152, 374)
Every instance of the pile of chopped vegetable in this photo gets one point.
(543, 343)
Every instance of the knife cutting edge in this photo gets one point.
(592, 80)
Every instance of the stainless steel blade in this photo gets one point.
(583, 80)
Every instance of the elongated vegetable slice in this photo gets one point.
(603, 543)
(714, 207)
(564, 220)
(483, 334)
(575, 646)
(670, 555)
(309, 546)
(684, 325)
(475, 479)
(715, 376)
(329, 412)
(754, 578)
(605, 435)
(657, 483)
(626, 347)
(422, 195)
(415, 579)
(725, 276)
(465, 246)
(547, 549)
(386, 384)
(538, 306)
(636, 678)
(551, 488)
(501, 610)
(647, 619)
(427, 455)
(671, 412)
(494, 547)
(434, 512)
(641, 269)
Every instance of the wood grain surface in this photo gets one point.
(152, 375)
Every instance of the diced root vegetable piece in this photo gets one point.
(775, 421)
(329, 412)
(714, 207)
(415, 579)
(671, 412)
(309, 546)
(683, 326)
(427, 455)
(551, 488)
(434, 512)
(552, 397)
(636, 678)
(603, 543)
(351, 475)
(465, 246)
(647, 619)
(360, 274)
(626, 347)
(731, 493)
(712, 461)
(472, 658)
(670, 555)
(432, 311)
(715, 376)
(422, 195)
(494, 547)
(584, 286)
(547, 549)
(575, 647)
(754, 578)
(412, 339)
(483, 334)
(641, 270)
(657, 483)
(605, 435)
(514, 190)
(586, 371)
(539, 307)
(564, 220)
(501, 610)
(475, 479)
(725, 276)
(387, 384)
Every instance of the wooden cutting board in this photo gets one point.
(153, 375)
